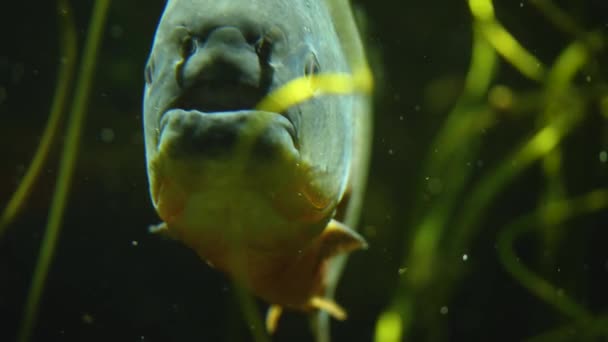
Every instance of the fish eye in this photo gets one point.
(189, 46)
(311, 65)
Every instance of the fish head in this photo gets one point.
(215, 162)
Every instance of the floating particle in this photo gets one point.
(87, 318)
(443, 310)
(116, 31)
(107, 135)
(465, 257)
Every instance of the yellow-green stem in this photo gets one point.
(65, 76)
(66, 168)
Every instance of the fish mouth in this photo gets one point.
(211, 117)
(215, 98)
(218, 97)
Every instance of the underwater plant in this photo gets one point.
(69, 153)
(444, 228)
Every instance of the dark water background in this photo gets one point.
(111, 281)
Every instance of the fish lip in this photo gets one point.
(289, 127)
(189, 100)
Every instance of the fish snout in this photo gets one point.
(225, 56)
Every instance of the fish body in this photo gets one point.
(257, 194)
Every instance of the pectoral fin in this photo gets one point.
(338, 238)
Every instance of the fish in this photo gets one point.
(264, 184)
